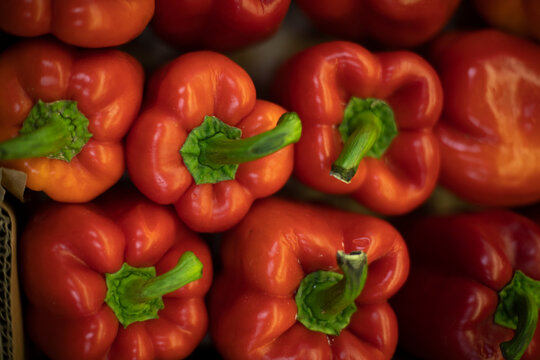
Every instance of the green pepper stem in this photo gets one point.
(327, 302)
(519, 303)
(135, 294)
(220, 150)
(43, 141)
(326, 299)
(527, 313)
(356, 147)
(367, 129)
(57, 130)
(188, 269)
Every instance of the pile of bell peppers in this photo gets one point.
(178, 205)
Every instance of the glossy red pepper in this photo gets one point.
(92, 24)
(489, 133)
(79, 310)
(453, 305)
(63, 114)
(281, 246)
(217, 24)
(396, 23)
(351, 103)
(174, 157)
(521, 17)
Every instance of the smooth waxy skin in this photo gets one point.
(521, 17)
(396, 23)
(458, 264)
(180, 95)
(489, 133)
(107, 86)
(66, 251)
(318, 83)
(253, 311)
(218, 24)
(92, 24)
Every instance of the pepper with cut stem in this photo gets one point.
(303, 289)
(367, 121)
(368, 129)
(207, 145)
(325, 299)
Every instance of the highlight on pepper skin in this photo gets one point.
(489, 133)
(367, 123)
(91, 24)
(306, 281)
(64, 113)
(213, 148)
(120, 275)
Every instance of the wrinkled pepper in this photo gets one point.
(217, 24)
(116, 278)
(205, 143)
(63, 115)
(300, 281)
(489, 132)
(367, 123)
(521, 17)
(92, 24)
(395, 23)
(474, 288)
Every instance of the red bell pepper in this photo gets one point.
(367, 123)
(93, 24)
(63, 115)
(489, 132)
(521, 17)
(474, 288)
(87, 268)
(174, 157)
(395, 23)
(293, 285)
(217, 24)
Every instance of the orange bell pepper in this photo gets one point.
(93, 24)
(63, 115)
